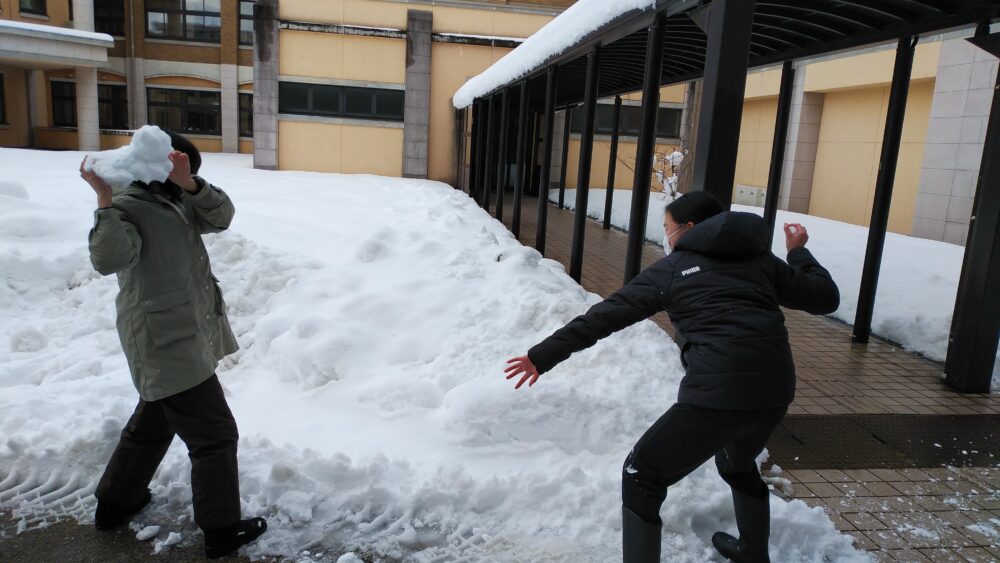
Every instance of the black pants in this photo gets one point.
(684, 438)
(201, 417)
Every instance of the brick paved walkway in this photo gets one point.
(941, 513)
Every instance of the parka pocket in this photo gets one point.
(170, 318)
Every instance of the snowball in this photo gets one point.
(173, 539)
(349, 557)
(144, 159)
(147, 533)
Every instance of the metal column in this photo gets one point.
(583, 171)
(778, 148)
(480, 158)
(975, 325)
(645, 148)
(565, 157)
(488, 174)
(522, 118)
(543, 181)
(473, 147)
(503, 169)
(616, 117)
(883, 188)
(726, 55)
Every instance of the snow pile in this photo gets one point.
(144, 159)
(375, 316)
(580, 19)
(917, 284)
(52, 31)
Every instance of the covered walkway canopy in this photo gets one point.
(602, 48)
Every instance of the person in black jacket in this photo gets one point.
(723, 289)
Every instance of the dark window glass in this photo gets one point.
(186, 20)
(63, 104)
(631, 120)
(246, 115)
(246, 22)
(186, 111)
(340, 101)
(109, 17)
(389, 104)
(602, 119)
(359, 102)
(668, 123)
(3, 102)
(293, 97)
(112, 106)
(325, 99)
(36, 7)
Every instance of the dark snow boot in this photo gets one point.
(640, 539)
(108, 516)
(753, 519)
(223, 541)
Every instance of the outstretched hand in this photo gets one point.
(796, 236)
(523, 367)
(100, 187)
(181, 173)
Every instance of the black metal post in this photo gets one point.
(488, 173)
(975, 325)
(724, 85)
(583, 171)
(503, 170)
(462, 117)
(883, 188)
(531, 148)
(473, 146)
(645, 148)
(778, 148)
(543, 181)
(616, 116)
(565, 157)
(522, 118)
(480, 158)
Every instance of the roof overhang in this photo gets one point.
(34, 46)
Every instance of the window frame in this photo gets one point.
(111, 88)
(248, 112)
(373, 113)
(56, 122)
(3, 101)
(604, 112)
(184, 13)
(101, 21)
(186, 108)
(242, 18)
(44, 9)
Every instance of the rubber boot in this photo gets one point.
(109, 516)
(223, 541)
(753, 519)
(640, 539)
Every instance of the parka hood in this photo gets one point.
(730, 234)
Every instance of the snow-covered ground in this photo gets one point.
(917, 283)
(375, 316)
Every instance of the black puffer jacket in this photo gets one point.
(722, 288)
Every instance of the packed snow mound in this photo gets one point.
(13, 189)
(144, 159)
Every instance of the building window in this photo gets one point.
(340, 101)
(185, 111)
(112, 106)
(36, 7)
(3, 103)
(668, 121)
(109, 17)
(246, 21)
(63, 104)
(246, 115)
(186, 20)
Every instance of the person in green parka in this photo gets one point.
(173, 328)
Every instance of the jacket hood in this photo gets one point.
(730, 234)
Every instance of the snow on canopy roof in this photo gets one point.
(54, 32)
(561, 33)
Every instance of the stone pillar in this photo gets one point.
(963, 92)
(417, 109)
(230, 108)
(559, 125)
(34, 81)
(800, 147)
(83, 15)
(265, 85)
(136, 77)
(87, 117)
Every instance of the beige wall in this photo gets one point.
(850, 141)
(15, 132)
(869, 69)
(246, 147)
(753, 161)
(350, 149)
(348, 57)
(602, 158)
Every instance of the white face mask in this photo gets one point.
(666, 240)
